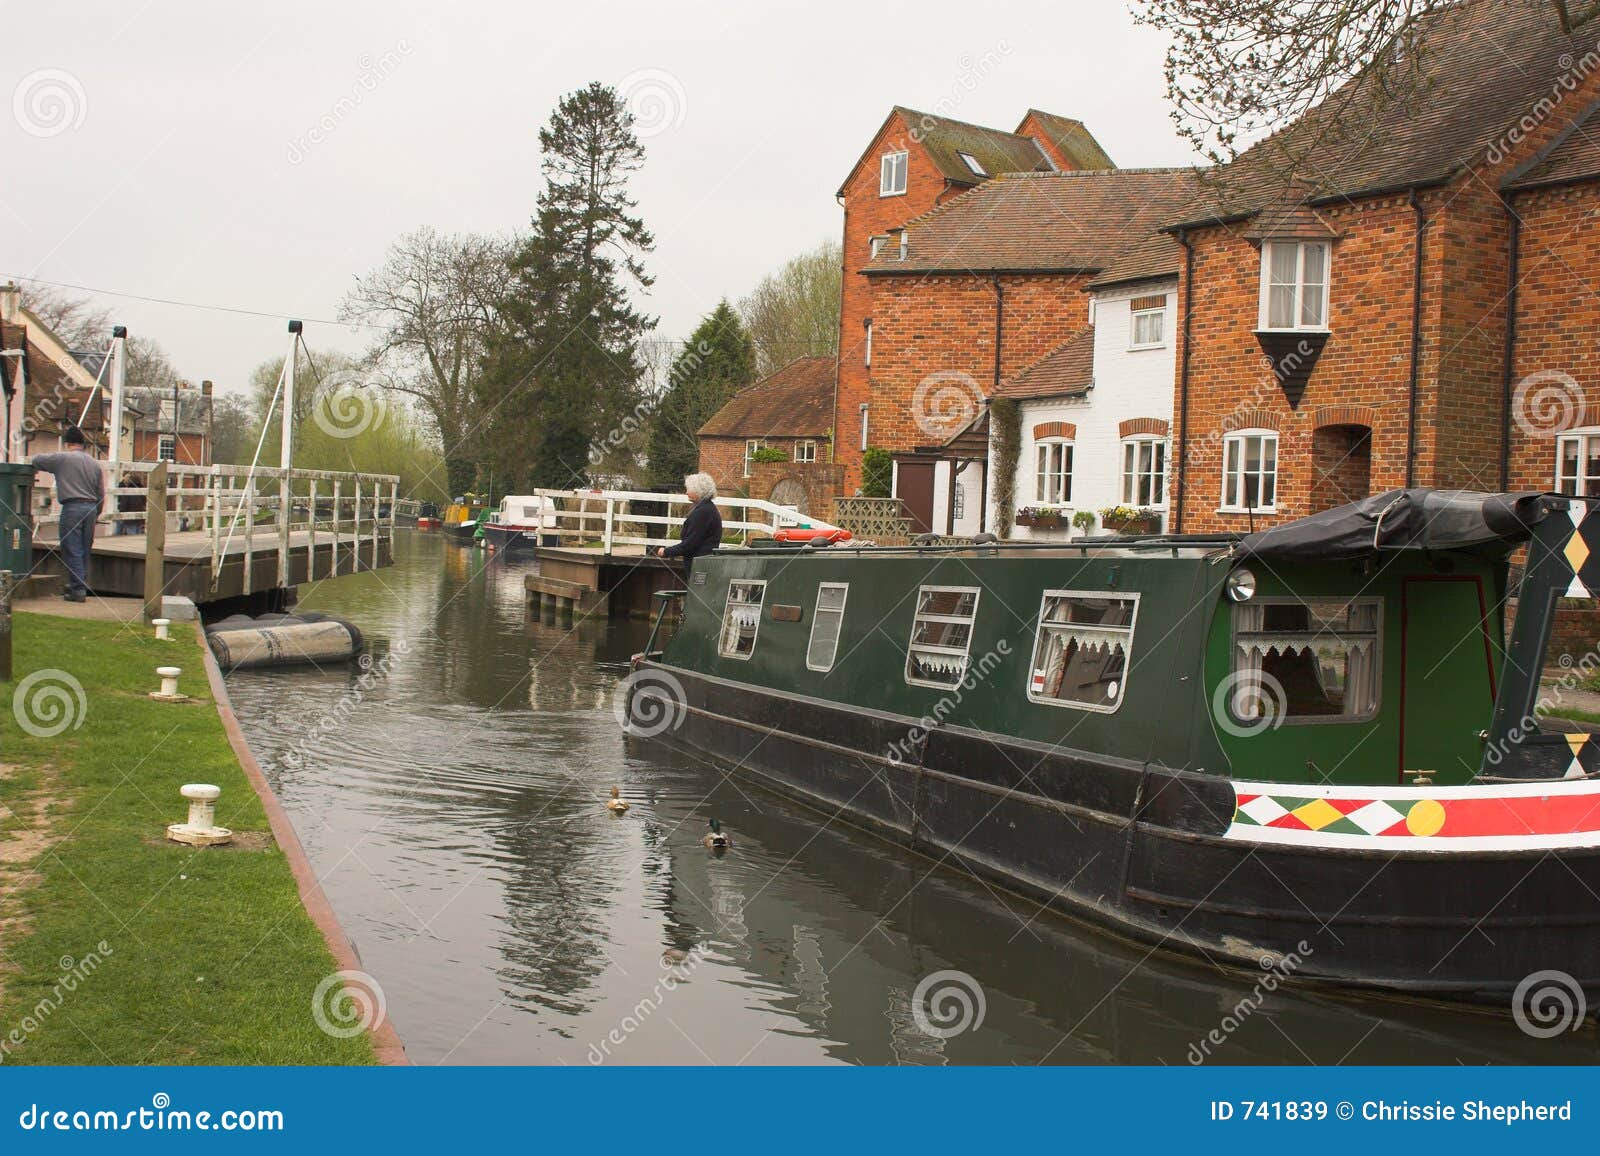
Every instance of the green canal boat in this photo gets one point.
(1310, 744)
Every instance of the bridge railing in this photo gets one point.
(608, 518)
(240, 511)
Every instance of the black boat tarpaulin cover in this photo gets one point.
(1415, 519)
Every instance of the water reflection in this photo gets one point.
(451, 796)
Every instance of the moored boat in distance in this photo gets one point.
(1307, 748)
(515, 524)
(461, 516)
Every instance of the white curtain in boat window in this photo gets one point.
(1080, 657)
(1310, 659)
(741, 619)
(941, 635)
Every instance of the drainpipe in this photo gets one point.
(1182, 456)
(1514, 244)
(1416, 339)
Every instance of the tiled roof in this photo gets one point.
(1157, 255)
(1059, 222)
(795, 401)
(995, 150)
(1576, 158)
(1480, 68)
(1075, 141)
(1066, 371)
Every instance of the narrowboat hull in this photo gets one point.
(461, 532)
(1174, 860)
(426, 523)
(509, 540)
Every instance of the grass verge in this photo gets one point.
(116, 946)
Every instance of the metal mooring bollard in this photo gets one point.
(201, 829)
(169, 685)
(161, 625)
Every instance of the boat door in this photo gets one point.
(1446, 676)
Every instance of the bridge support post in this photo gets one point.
(155, 542)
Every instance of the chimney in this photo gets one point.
(205, 388)
(10, 301)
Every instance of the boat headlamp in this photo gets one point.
(1241, 585)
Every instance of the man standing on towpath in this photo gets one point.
(81, 490)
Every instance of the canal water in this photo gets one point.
(450, 796)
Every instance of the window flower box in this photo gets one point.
(1130, 520)
(1044, 517)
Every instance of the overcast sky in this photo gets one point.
(261, 157)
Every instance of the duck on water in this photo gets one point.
(1309, 744)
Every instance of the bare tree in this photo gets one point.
(436, 297)
(81, 325)
(1238, 70)
(794, 312)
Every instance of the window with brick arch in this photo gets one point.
(1052, 472)
(1144, 471)
(1578, 463)
(1250, 471)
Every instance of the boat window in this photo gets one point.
(941, 635)
(1080, 657)
(825, 625)
(741, 618)
(1305, 660)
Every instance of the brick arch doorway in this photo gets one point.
(1341, 465)
(791, 492)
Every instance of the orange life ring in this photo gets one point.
(796, 534)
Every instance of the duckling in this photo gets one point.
(616, 804)
(716, 840)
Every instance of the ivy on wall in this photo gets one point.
(877, 466)
(1005, 418)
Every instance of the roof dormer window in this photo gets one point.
(972, 163)
(892, 174)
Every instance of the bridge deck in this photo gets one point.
(117, 562)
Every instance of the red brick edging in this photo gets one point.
(385, 1040)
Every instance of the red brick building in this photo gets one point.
(790, 411)
(915, 162)
(1363, 293)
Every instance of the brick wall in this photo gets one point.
(818, 482)
(866, 214)
(1558, 316)
(723, 459)
(945, 324)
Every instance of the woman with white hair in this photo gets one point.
(701, 532)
